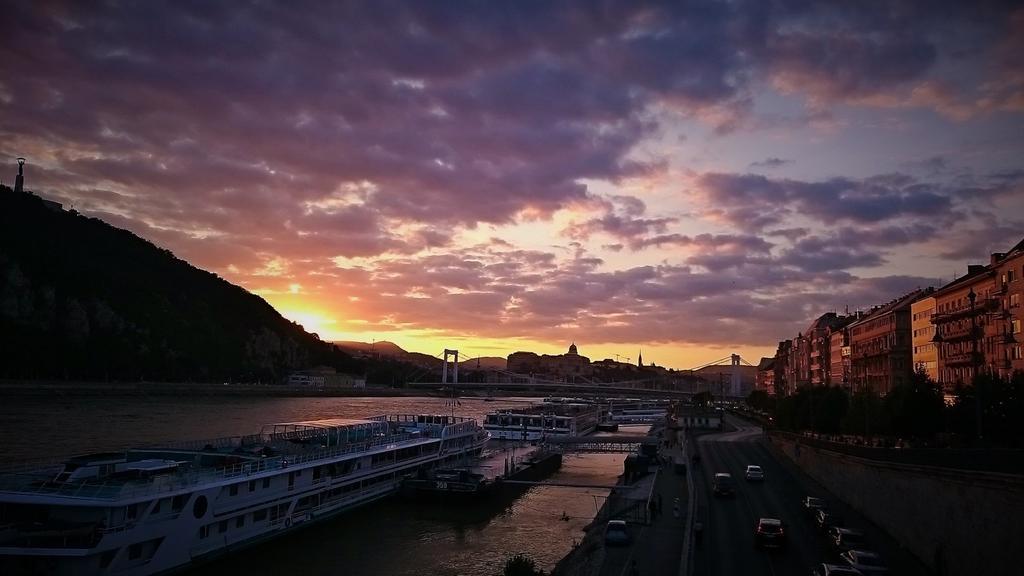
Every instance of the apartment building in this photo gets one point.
(922, 333)
(978, 319)
(880, 346)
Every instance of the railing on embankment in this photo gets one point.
(1000, 460)
(956, 521)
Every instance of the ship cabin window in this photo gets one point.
(233, 490)
(259, 515)
(222, 527)
(266, 482)
(252, 485)
(240, 521)
(135, 551)
(204, 531)
(131, 511)
(156, 506)
(178, 503)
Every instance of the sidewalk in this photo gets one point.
(656, 547)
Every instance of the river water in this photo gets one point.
(391, 537)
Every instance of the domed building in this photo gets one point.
(559, 366)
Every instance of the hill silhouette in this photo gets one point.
(386, 349)
(81, 299)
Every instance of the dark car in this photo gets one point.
(722, 485)
(812, 505)
(843, 539)
(770, 533)
(864, 561)
(834, 570)
(826, 520)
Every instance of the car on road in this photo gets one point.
(770, 533)
(754, 473)
(834, 570)
(843, 539)
(616, 533)
(866, 562)
(827, 520)
(722, 485)
(812, 505)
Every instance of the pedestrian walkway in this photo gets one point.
(657, 547)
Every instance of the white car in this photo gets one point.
(865, 562)
(754, 473)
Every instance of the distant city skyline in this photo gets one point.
(691, 180)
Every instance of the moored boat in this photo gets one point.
(154, 509)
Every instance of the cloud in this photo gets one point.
(771, 162)
(754, 201)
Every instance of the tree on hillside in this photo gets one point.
(915, 409)
(866, 415)
(521, 565)
(760, 400)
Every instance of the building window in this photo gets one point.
(1017, 353)
(1016, 326)
(1010, 276)
(1014, 300)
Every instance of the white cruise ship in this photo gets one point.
(156, 509)
(538, 422)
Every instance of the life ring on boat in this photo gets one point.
(288, 522)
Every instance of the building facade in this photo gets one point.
(977, 321)
(880, 346)
(839, 354)
(568, 365)
(782, 355)
(1009, 357)
(765, 381)
(922, 334)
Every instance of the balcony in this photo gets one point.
(955, 334)
(962, 359)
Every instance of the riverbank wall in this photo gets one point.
(954, 521)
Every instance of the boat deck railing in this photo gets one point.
(40, 481)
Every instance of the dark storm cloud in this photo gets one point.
(755, 201)
(254, 135)
(458, 113)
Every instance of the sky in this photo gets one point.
(689, 178)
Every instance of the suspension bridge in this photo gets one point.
(727, 377)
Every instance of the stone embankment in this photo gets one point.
(955, 521)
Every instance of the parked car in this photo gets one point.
(770, 533)
(843, 539)
(812, 505)
(826, 520)
(754, 473)
(616, 533)
(834, 570)
(866, 562)
(722, 485)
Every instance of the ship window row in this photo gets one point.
(274, 513)
(526, 421)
